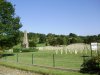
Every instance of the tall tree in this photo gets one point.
(50, 39)
(42, 38)
(9, 25)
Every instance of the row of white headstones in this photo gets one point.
(81, 49)
(65, 50)
(68, 51)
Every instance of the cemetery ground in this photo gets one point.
(27, 60)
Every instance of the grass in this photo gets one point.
(40, 70)
(45, 58)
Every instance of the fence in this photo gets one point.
(69, 60)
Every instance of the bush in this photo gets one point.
(32, 44)
(25, 49)
(91, 66)
(29, 49)
(16, 49)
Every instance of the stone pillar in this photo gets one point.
(25, 40)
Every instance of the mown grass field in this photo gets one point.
(45, 58)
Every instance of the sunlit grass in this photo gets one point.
(45, 58)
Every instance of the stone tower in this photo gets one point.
(25, 40)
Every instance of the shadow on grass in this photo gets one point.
(4, 55)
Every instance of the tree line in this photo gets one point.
(54, 40)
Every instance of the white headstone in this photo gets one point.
(61, 51)
(75, 51)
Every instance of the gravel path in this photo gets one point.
(10, 71)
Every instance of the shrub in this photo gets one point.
(31, 49)
(16, 49)
(91, 65)
(32, 44)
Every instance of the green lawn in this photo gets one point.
(45, 58)
(43, 71)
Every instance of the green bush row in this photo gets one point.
(25, 49)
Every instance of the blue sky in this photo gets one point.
(81, 17)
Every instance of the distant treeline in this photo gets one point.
(54, 40)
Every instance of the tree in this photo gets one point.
(42, 38)
(9, 25)
(72, 35)
(98, 38)
(73, 38)
(60, 40)
(90, 39)
(32, 44)
(49, 38)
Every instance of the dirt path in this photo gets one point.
(10, 71)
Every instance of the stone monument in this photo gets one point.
(25, 43)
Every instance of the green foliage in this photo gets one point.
(16, 49)
(53, 39)
(73, 38)
(72, 35)
(50, 38)
(36, 37)
(32, 44)
(41, 45)
(25, 49)
(9, 25)
(42, 38)
(89, 39)
(91, 66)
(29, 49)
(59, 41)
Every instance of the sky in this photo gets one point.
(81, 17)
